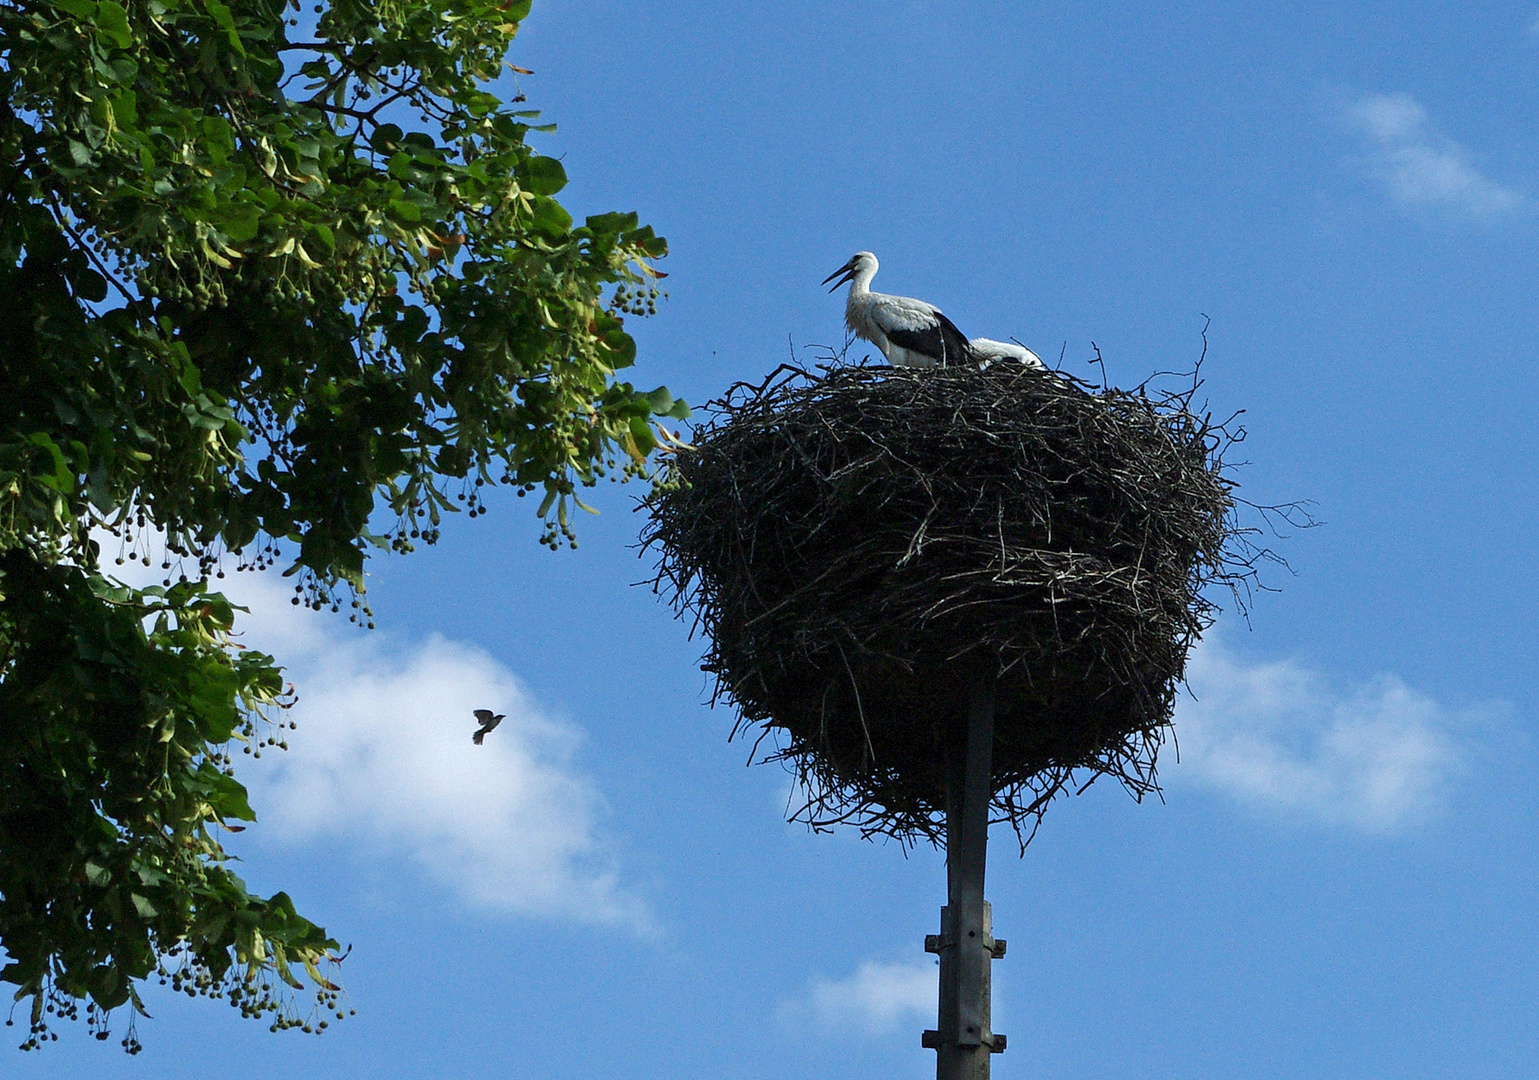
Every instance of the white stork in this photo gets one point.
(910, 333)
(987, 351)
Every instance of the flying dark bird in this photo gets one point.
(487, 721)
(910, 333)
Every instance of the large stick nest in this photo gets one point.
(852, 544)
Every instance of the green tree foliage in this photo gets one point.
(247, 315)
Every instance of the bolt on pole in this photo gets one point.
(966, 945)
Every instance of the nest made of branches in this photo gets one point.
(853, 542)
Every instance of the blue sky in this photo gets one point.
(1343, 877)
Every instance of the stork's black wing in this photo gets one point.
(941, 341)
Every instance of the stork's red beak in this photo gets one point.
(844, 273)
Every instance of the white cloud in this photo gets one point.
(1280, 737)
(382, 763)
(1419, 167)
(877, 999)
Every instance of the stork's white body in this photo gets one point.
(871, 314)
(910, 333)
(988, 351)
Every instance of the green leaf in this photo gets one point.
(226, 21)
(240, 222)
(112, 23)
(125, 108)
(81, 9)
(621, 346)
(227, 796)
(611, 224)
(543, 176)
(385, 137)
(641, 431)
(108, 986)
(550, 217)
(62, 478)
(90, 286)
(660, 401)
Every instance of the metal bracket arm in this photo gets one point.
(931, 1040)
(934, 943)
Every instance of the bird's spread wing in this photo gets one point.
(940, 339)
(484, 716)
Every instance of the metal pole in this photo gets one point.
(966, 944)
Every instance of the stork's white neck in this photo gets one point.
(860, 281)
